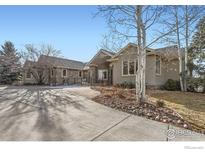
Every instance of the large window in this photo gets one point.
(131, 67)
(158, 65)
(125, 68)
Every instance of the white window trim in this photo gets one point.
(160, 70)
(129, 68)
(66, 73)
(103, 70)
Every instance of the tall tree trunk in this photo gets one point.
(139, 40)
(179, 50)
(140, 76)
(186, 48)
(143, 62)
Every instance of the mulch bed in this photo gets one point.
(124, 100)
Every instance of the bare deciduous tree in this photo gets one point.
(182, 20)
(39, 72)
(133, 23)
(33, 53)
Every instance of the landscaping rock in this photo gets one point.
(179, 121)
(120, 100)
(185, 126)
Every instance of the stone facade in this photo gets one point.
(70, 77)
(55, 76)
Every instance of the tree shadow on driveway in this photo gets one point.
(41, 108)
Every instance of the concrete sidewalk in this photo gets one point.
(136, 128)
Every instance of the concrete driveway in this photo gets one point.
(68, 114)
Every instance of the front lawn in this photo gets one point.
(191, 106)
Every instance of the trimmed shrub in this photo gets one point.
(172, 85)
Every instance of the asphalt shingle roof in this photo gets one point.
(60, 62)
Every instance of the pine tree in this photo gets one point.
(197, 52)
(8, 49)
(9, 61)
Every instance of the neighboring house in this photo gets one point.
(161, 64)
(56, 71)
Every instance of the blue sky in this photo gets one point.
(71, 29)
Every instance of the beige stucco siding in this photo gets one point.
(172, 70)
(150, 70)
(118, 77)
(169, 69)
(117, 70)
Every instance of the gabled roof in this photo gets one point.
(128, 46)
(170, 52)
(86, 67)
(60, 62)
(109, 53)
